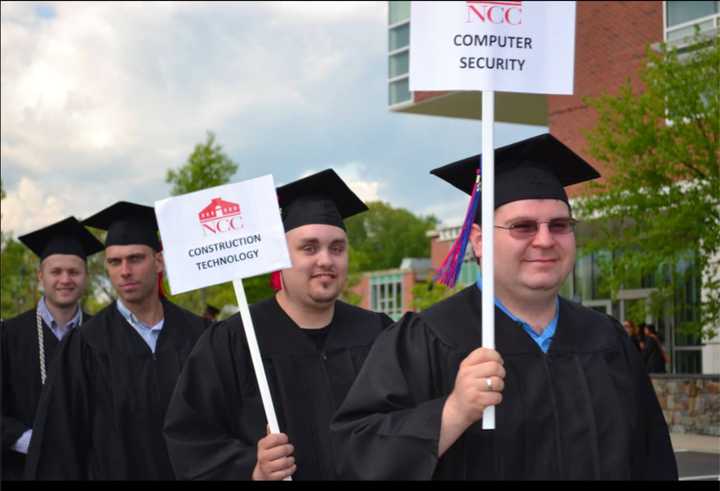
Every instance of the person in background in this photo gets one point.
(210, 313)
(633, 333)
(30, 340)
(653, 354)
(101, 414)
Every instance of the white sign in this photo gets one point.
(509, 46)
(222, 234)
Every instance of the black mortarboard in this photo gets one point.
(536, 168)
(67, 236)
(321, 198)
(209, 309)
(127, 223)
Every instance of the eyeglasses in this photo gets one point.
(526, 229)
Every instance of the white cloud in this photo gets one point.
(329, 12)
(354, 174)
(29, 207)
(100, 99)
(107, 96)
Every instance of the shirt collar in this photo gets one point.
(547, 333)
(133, 320)
(47, 317)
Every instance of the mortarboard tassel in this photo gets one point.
(450, 268)
(275, 281)
(161, 288)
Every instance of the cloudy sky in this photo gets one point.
(100, 99)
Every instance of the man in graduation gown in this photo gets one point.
(101, 414)
(572, 398)
(312, 346)
(29, 341)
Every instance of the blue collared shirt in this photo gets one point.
(149, 334)
(543, 339)
(58, 330)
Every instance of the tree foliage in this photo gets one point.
(426, 294)
(206, 167)
(660, 203)
(383, 236)
(18, 281)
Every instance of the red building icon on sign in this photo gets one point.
(218, 208)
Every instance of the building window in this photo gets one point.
(398, 52)
(399, 11)
(681, 17)
(399, 37)
(386, 294)
(399, 91)
(399, 64)
(687, 361)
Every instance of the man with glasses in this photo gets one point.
(573, 400)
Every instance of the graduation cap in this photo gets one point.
(322, 198)
(67, 236)
(536, 168)
(127, 223)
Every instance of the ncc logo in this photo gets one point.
(220, 216)
(501, 12)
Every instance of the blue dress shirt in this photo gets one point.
(148, 333)
(58, 330)
(543, 339)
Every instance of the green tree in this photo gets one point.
(427, 294)
(18, 281)
(660, 203)
(383, 236)
(206, 167)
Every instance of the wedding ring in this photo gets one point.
(488, 383)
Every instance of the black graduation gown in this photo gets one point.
(21, 384)
(215, 418)
(101, 414)
(652, 356)
(584, 410)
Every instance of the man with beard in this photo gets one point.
(573, 399)
(102, 412)
(312, 346)
(30, 340)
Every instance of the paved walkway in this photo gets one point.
(695, 443)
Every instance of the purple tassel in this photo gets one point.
(450, 268)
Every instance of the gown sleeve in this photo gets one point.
(12, 428)
(60, 442)
(215, 417)
(388, 427)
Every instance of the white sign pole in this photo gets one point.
(257, 362)
(255, 356)
(487, 174)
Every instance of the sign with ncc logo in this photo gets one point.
(508, 45)
(222, 234)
